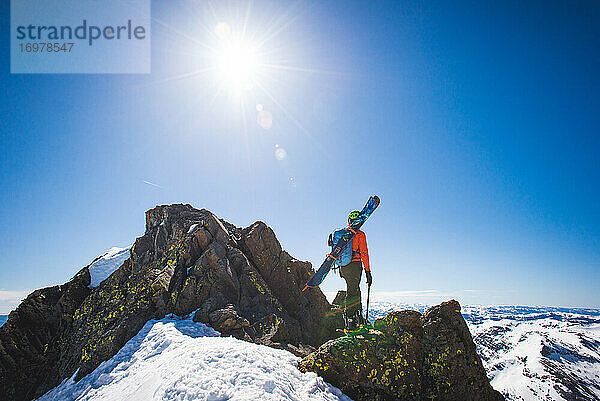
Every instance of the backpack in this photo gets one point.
(346, 256)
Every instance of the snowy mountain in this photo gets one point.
(177, 359)
(540, 353)
(533, 353)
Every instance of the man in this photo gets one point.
(352, 273)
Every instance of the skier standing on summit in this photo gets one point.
(352, 273)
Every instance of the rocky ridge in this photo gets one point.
(238, 281)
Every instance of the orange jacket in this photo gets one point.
(360, 250)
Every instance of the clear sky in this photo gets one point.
(475, 122)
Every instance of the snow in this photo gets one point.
(192, 228)
(178, 359)
(540, 359)
(107, 264)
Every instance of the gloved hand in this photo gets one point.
(369, 278)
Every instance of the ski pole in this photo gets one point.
(368, 295)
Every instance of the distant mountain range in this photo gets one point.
(532, 353)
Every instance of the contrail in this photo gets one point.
(153, 184)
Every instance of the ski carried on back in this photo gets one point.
(343, 242)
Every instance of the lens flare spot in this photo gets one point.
(280, 154)
(265, 119)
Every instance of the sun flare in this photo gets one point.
(246, 57)
(237, 65)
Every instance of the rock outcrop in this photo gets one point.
(406, 356)
(239, 281)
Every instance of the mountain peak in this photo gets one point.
(188, 262)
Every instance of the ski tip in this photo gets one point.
(304, 288)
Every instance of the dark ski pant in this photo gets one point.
(352, 273)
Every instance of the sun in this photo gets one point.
(237, 65)
(245, 57)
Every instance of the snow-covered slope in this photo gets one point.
(107, 264)
(539, 353)
(533, 353)
(177, 359)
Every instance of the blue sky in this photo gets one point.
(475, 122)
